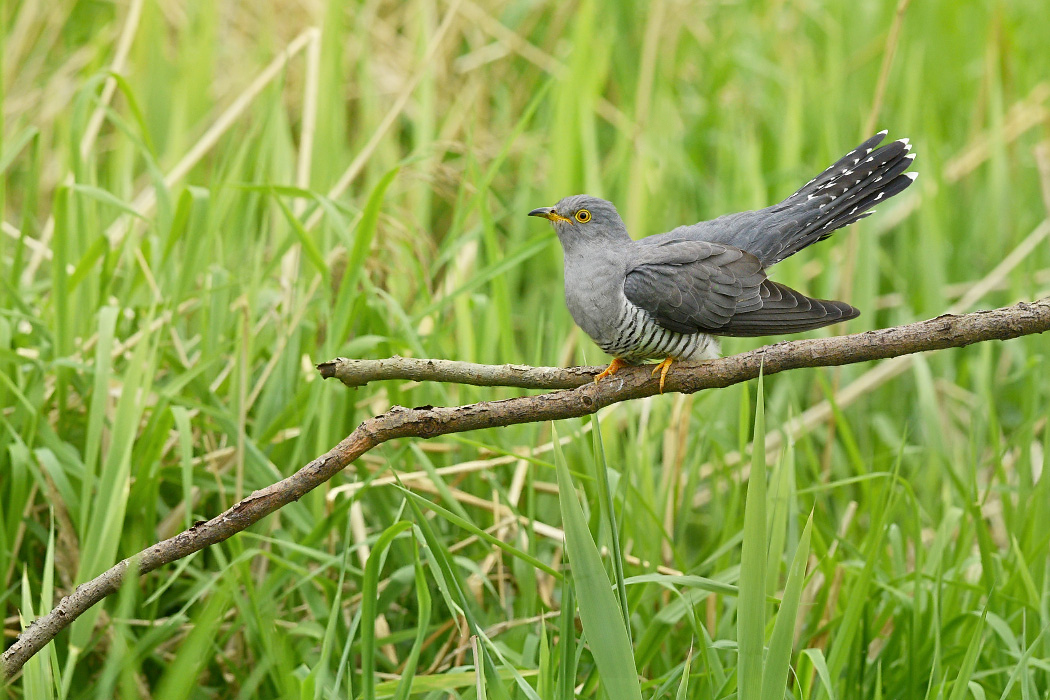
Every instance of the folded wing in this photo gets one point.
(785, 310)
(697, 286)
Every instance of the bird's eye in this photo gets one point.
(583, 216)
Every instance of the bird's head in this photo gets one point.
(582, 219)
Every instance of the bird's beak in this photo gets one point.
(549, 213)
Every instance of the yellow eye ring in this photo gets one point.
(583, 216)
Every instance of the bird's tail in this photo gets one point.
(847, 191)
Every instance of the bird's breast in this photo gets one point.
(595, 298)
(594, 295)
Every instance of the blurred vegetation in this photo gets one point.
(201, 200)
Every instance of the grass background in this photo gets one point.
(201, 200)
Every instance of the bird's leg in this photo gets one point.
(663, 367)
(613, 367)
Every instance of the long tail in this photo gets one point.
(844, 193)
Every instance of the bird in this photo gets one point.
(669, 295)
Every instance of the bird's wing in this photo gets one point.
(696, 286)
(784, 310)
(689, 286)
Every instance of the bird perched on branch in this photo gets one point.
(667, 295)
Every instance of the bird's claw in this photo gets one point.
(662, 368)
(613, 367)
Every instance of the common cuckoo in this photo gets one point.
(669, 294)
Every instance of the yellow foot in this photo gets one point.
(663, 367)
(613, 367)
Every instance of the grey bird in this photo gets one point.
(667, 295)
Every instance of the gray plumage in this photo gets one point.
(666, 295)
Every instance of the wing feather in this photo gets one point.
(692, 285)
(697, 286)
(784, 310)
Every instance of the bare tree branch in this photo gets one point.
(427, 422)
(934, 334)
(355, 373)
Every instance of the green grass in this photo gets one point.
(170, 273)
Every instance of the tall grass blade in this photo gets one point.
(820, 664)
(752, 603)
(180, 679)
(368, 606)
(568, 656)
(609, 511)
(683, 686)
(778, 659)
(452, 590)
(423, 602)
(969, 662)
(603, 623)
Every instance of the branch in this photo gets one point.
(947, 331)
(427, 422)
(355, 373)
